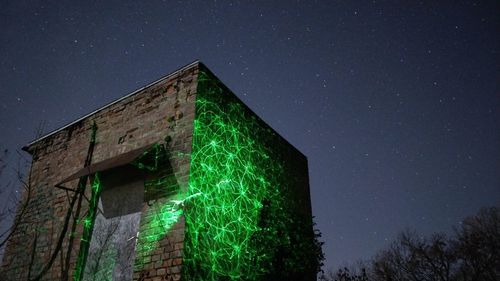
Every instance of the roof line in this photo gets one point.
(111, 103)
(219, 81)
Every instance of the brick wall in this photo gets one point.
(274, 172)
(162, 113)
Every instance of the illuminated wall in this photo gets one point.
(248, 216)
(56, 244)
(224, 196)
(246, 207)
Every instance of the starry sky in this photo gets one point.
(395, 103)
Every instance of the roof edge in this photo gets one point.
(205, 68)
(27, 146)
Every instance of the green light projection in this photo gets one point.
(161, 218)
(237, 220)
(166, 207)
(241, 220)
(88, 225)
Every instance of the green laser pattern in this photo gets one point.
(160, 219)
(88, 225)
(238, 218)
(165, 211)
(241, 220)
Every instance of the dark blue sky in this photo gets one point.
(396, 105)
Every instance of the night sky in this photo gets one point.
(396, 105)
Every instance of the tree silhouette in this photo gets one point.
(471, 254)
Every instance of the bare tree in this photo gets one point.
(25, 225)
(416, 258)
(101, 261)
(3, 188)
(471, 254)
(8, 215)
(345, 274)
(478, 246)
(8, 212)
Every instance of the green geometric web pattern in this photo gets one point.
(234, 181)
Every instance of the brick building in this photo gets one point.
(177, 180)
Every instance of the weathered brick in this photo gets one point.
(133, 122)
